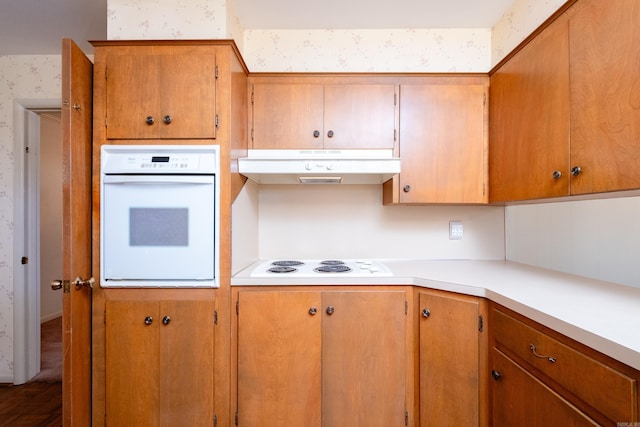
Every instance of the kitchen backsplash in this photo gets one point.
(349, 221)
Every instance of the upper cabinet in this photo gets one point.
(565, 115)
(315, 113)
(529, 120)
(443, 142)
(159, 92)
(605, 95)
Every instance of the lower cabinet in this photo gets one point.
(452, 344)
(322, 358)
(159, 358)
(542, 378)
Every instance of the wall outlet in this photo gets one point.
(455, 230)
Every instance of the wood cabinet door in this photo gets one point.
(279, 358)
(443, 143)
(363, 358)
(186, 355)
(605, 95)
(449, 360)
(159, 362)
(359, 116)
(519, 399)
(287, 116)
(153, 96)
(529, 120)
(132, 362)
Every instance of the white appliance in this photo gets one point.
(329, 268)
(159, 216)
(319, 166)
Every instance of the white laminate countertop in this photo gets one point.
(602, 315)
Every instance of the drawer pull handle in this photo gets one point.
(549, 358)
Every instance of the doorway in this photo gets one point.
(37, 229)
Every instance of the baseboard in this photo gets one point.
(6, 380)
(49, 317)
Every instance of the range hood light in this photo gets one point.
(320, 179)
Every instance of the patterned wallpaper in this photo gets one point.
(20, 77)
(520, 21)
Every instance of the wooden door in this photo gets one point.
(449, 360)
(605, 95)
(132, 362)
(186, 357)
(287, 116)
(279, 358)
(529, 120)
(359, 116)
(443, 148)
(520, 399)
(154, 96)
(77, 107)
(363, 358)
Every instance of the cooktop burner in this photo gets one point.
(318, 268)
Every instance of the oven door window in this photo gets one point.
(158, 228)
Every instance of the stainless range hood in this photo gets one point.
(319, 166)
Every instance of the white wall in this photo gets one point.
(50, 214)
(593, 238)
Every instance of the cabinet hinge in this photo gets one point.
(215, 317)
(235, 418)
(406, 308)
(484, 99)
(215, 420)
(252, 95)
(106, 122)
(26, 150)
(237, 307)
(216, 72)
(24, 260)
(406, 418)
(480, 323)
(217, 121)
(395, 135)
(395, 99)
(251, 135)
(105, 316)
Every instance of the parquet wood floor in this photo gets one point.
(31, 405)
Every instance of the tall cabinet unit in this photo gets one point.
(153, 349)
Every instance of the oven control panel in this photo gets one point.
(158, 159)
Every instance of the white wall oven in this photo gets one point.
(159, 216)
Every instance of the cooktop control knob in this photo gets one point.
(373, 269)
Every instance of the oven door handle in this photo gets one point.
(158, 179)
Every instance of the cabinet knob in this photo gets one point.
(556, 174)
(576, 170)
(406, 188)
(150, 120)
(330, 134)
(330, 310)
(148, 320)
(426, 313)
(313, 311)
(166, 119)
(496, 375)
(166, 320)
(316, 133)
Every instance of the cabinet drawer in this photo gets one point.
(610, 392)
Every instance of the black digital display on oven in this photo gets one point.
(160, 159)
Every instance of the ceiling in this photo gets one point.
(32, 27)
